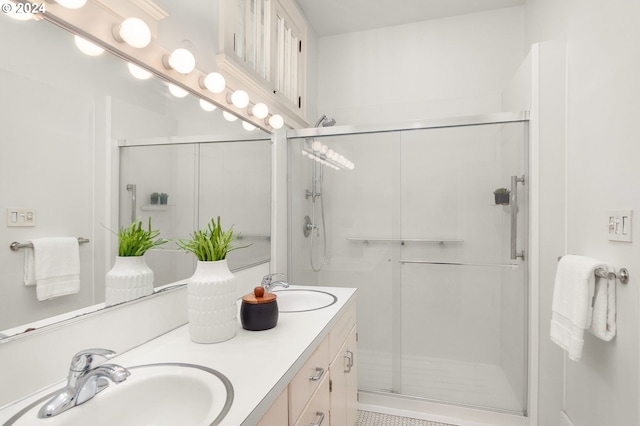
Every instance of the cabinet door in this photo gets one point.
(278, 413)
(344, 383)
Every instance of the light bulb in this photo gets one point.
(137, 72)
(248, 126)
(228, 116)
(316, 145)
(133, 31)
(72, 4)
(207, 106)
(240, 99)
(324, 149)
(213, 82)
(276, 121)
(87, 47)
(260, 110)
(176, 91)
(11, 12)
(304, 153)
(180, 60)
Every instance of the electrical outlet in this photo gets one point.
(21, 217)
(619, 225)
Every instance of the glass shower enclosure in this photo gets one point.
(410, 218)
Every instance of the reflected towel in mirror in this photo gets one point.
(53, 266)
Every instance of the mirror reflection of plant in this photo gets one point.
(135, 241)
(212, 243)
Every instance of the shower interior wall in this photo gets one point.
(420, 184)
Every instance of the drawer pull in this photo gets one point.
(349, 357)
(318, 376)
(320, 415)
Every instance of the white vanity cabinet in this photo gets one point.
(325, 390)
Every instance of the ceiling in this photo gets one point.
(331, 17)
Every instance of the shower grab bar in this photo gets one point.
(440, 241)
(444, 262)
(15, 246)
(514, 217)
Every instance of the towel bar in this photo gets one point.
(622, 275)
(15, 246)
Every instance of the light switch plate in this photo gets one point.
(619, 225)
(21, 217)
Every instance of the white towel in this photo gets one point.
(572, 302)
(53, 266)
(603, 320)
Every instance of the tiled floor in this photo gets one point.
(369, 418)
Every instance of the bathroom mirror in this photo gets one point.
(66, 118)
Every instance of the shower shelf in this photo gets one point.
(402, 241)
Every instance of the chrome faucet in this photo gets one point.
(269, 284)
(85, 381)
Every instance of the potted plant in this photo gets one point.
(501, 196)
(155, 197)
(130, 277)
(164, 197)
(211, 291)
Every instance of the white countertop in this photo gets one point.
(259, 364)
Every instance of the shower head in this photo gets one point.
(324, 121)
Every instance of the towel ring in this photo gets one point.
(622, 275)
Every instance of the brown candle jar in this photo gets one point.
(259, 310)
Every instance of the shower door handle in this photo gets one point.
(514, 217)
(132, 187)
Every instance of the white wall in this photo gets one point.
(444, 67)
(603, 63)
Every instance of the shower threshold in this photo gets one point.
(436, 411)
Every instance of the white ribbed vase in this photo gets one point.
(130, 278)
(211, 302)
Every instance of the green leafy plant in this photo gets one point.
(501, 191)
(135, 241)
(210, 244)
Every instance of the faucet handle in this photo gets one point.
(83, 360)
(266, 280)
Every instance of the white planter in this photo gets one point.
(211, 298)
(130, 278)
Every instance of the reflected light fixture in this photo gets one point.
(239, 99)
(207, 106)
(11, 12)
(248, 126)
(276, 121)
(228, 116)
(70, 4)
(213, 82)
(176, 91)
(133, 31)
(137, 72)
(180, 60)
(259, 110)
(87, 47)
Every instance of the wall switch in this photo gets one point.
(21, 217)
(619, 225)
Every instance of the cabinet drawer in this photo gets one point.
(339, 333)
(278, 413)
(316, 412)
(308, 379)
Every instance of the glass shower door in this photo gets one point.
(463, 307)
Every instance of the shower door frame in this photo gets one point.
(530, 339)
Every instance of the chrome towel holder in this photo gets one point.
(15, 246)
(622, 275)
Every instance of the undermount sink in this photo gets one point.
(157, 394)
(302, 300)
